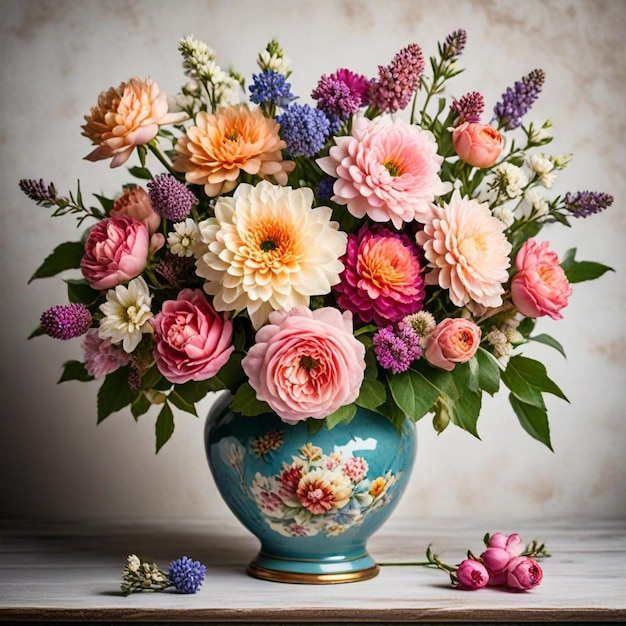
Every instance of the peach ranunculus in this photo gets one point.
(540, 286)
(478, 145)
(387, 170)
(135, 202)
(126, 117)
(235, 139)
(455, 340)
(116, 250)
(468, 252)
(306, 363)
(192, 340)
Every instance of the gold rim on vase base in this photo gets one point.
(311, 579)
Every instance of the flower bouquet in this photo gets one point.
(375, 247)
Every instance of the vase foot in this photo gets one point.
(311, 571)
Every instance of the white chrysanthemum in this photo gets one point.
(467, 252)
(267, 249)
(126, 314)
(511, 179)
(182, 239)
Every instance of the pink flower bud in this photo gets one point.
(513, 544)
(477, 144)
(472, 574)
(523, 573)
(496, 561)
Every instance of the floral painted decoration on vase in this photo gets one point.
(373, 244)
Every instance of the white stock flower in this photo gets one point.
(182, 239)
(511, 179)
(126, 314)
(504, 214)
(278, 63)
(537, 201)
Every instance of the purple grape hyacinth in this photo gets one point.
(170, 198)
(186, 574)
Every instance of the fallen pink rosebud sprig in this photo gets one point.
(506, 562)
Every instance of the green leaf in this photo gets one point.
(343, 414)
(413, 393)
(580, 271)
(164, 426)
(489, 371)
(527, 379)
(106, 203)
(75, 370)
(140, 405)
(79, 291)
(372, 393)
(66, 256)
(548, 341)
(533, 419)
(38, 332)
(114, 393)
(193, 391)
(140, 172)
(245, 402)
(179, 402)
(151, 378)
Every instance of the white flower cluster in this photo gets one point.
(272, 58)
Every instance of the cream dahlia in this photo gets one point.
(219, 147)
(125, 117)
(267, 249)
(320, 491)
(468, 252)
(387, 170)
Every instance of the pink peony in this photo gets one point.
(386, 169)
(455, 340)
(101, 356)
(478, 145)
(472, 574)
(192, 341)
(523, 573)
(382, 279)
(135, 203)
(116, 250)
(467, 251)
(540, 286)
(306, 363)
(496, 561)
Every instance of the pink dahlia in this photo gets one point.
(382, 279)
(467, 251)
(387, 170)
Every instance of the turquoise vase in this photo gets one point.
(313, 499)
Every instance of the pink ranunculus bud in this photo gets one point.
(513, 544)
(472, 574)
(478, 145)
(192, 341)
(523, 573)
(116, 251)
(136, 203)
(496, 561)
(455, 340)
(540, 286)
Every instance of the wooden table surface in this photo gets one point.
(72, 572)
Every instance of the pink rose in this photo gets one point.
(136, 203)
(523, 573)
(472, 574)
(306, 363)
(513, 544)
(477, 144)
(540, 286)
(192, 341)
(455, 340)
(116, 250)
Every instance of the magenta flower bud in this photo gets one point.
(472, 574)
(513, 544)
(496, 561)
(66, 321)
(523, 573)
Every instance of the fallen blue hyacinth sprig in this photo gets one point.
(184, 575)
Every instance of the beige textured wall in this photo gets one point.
(57, 55)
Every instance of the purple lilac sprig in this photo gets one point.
(303, 129)
(585, 203)
(397, 82)
(66, 321)
(185, 575)
(453, 45)
(468, 108)
(340, 95)
(170, 198)
(396, 347)
(518, 100)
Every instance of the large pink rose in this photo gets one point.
(540, 286)
(455, 340)
(477, 144)
(306, 363)
(192, 341)
(116, 250)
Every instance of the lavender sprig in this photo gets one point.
(585, 203)
(518, 100)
